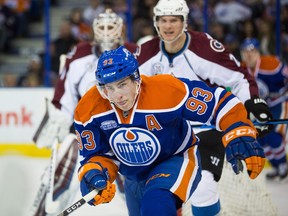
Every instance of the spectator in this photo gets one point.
(285, 47)
(141, 28)
(62, 44)
(267, 37)
(34, 75)
(247, 29)
(120, 7)
(257, 8)
(9, 80)
(269, 13)
(231, 43)
(21, 9)
(144, 9)
(230, 12)
(284, 28)
(36, 10)
(7, 26)
(216, 30)
(80, 30)
(92, 11)
(195, 15)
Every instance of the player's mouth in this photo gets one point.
(169, 34)
(122, 103)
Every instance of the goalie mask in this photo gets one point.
(107, 29)
(171, 8)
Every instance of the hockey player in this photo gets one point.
(139, 126)
(76, 77)
(272, 78)
(197, 56)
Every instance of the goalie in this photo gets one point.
(76, 77)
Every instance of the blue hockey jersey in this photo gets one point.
(157, 127)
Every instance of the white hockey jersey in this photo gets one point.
(201, 58)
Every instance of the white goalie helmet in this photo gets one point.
(107, 29)
(171, 8)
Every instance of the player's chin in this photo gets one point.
(169, 38)
(123, 107)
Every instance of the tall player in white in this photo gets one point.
(197, 56)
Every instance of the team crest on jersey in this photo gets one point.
(216, 46)
(107, 125)
(157, 68)
(135, 146)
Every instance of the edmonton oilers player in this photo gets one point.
(139, 126)
(76, 77)
(272, 78)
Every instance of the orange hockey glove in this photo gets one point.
(94, 176)
(241, 144)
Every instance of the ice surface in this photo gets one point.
(20, 179)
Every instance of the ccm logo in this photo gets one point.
(238, 132)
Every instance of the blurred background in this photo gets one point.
(33, 35)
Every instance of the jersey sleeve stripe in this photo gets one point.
(189, 174)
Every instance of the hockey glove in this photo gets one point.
(55, 125)
(259, 111)
(241, 144)
(93, 176)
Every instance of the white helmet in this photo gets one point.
(107, 29)
(171, 8)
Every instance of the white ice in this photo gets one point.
(20, 179)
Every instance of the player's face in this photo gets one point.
(250, 57)
(170, 27)
(122, 93)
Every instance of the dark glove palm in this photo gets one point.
(259, 111)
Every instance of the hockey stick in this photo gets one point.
(39, 204)
(271, 122)
(79, 203)
(46, 175)
(36, 206)
(51, 206)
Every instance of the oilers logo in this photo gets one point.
(135, 146)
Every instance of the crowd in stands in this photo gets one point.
(15, 18)
(230, 22)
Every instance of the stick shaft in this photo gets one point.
(50, 204)
(272, 122)
(79, 203)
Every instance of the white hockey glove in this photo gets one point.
(259, 111)
(54, 125)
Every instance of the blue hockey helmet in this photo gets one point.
(249, 44)
(116, 64)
